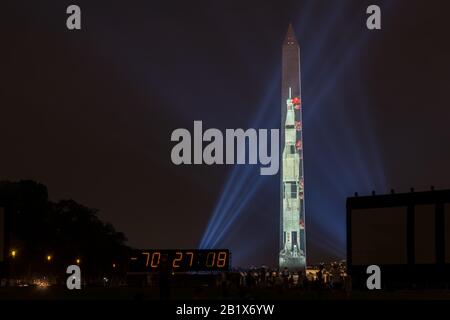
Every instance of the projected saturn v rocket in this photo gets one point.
(293, 241)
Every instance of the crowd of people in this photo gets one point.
(321, 278)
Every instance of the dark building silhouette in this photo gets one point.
(2, 234)
(4, 242)
(407, 235)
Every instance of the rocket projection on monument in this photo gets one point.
(292, 198)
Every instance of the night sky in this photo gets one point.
(89, 113)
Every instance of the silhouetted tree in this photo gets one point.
(65, 230)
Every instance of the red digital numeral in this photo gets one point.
(155, 256)
(147, 259)
(210, 261)
(177, 259)
(221, 259)
(191, 254)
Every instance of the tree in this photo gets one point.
(66, 230)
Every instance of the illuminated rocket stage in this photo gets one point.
(292, 198)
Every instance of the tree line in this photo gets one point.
(46, 236)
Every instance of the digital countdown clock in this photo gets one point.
(180, 260)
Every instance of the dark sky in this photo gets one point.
(89, 113)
